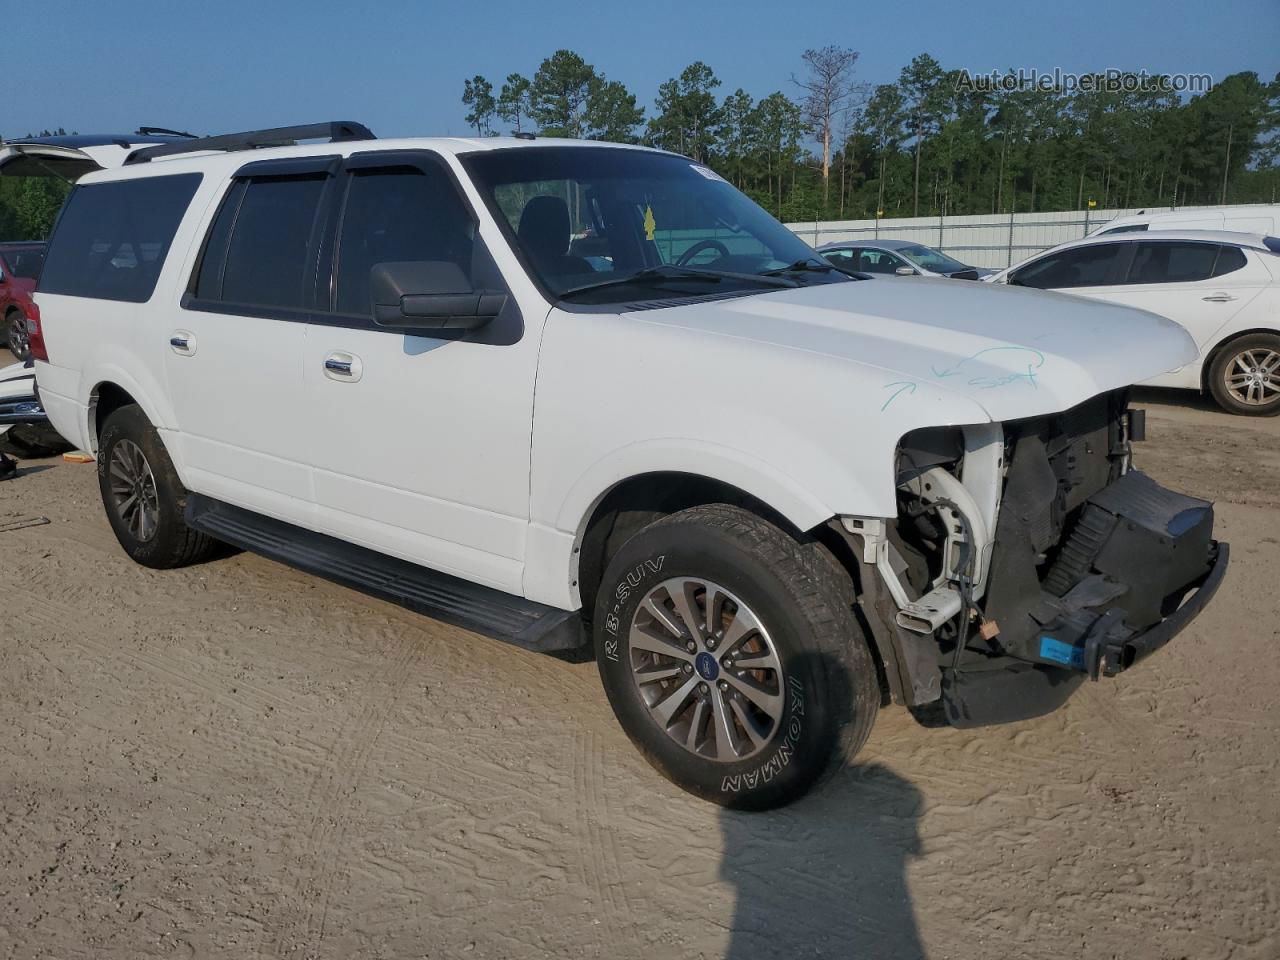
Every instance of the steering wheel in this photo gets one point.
(698, 247)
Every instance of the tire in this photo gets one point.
(131, 454)
(15, 332)
(783, 604)
(1248, 367)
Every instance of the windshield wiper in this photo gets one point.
(668, 271)
(807, 265)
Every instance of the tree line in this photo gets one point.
(831, 147)
(931, 142)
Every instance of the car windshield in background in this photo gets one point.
(931, 259)
(609, 225)
(26, 263)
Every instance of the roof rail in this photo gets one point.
(336, 131)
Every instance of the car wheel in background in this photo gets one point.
(143, 496)
(730, 653)
(1245, 375)
(15, 331)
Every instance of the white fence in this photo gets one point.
(984, 240)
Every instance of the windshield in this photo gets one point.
(931, 259)
(26, 263)
(606, 225)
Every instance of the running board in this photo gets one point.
(462, 603)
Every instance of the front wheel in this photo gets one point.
(730, 653)
(1245, 376)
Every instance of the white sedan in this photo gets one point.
(1224, 288)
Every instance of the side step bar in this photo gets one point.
(493, 613)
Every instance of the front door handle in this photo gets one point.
(343, 367)
(1218, 298)
(183, 343)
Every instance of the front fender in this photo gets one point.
(764, 481)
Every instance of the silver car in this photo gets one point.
(902, 258)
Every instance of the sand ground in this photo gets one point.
(240, 760)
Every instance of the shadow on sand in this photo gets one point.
(826, 877)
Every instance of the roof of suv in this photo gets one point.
(229, 160)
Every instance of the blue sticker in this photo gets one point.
(1059, 652)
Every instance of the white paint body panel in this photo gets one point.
(486, 461)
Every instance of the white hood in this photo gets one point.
(1012, 351)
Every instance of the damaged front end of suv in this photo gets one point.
(1027, 557)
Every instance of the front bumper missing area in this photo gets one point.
(1137, 566)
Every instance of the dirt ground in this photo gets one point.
(240, 760)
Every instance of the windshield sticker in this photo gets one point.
(708, 172)
(650, 224)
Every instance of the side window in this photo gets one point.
(845, 259)
(1230, 259)
(1172, 262)
(256, 253)
(1093, 266)
(112, 238)
(877, 261)
(396, 215)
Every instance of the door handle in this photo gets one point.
(343, 367)
(1218, 298)
(183, 343)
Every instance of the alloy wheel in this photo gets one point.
(133, 490)
(707, 669)
(1253, 376)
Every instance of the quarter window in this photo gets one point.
(1230, 259)
(112, 238)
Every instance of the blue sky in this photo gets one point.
(398, 66)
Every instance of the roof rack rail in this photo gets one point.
(337, 131)
(162, 131)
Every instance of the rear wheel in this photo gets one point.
(15, 329)
(1245, 375)
(731, 656)
(143, 496)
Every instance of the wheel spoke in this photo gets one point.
(647, 638)
(660, 613)
(770, 703)
(658, 672)
(727, 740)
(696, 724)
(665, 710)
(743, 625)
(682, 597)
(748, 724)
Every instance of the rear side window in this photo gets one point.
(112, 238)
(1091, 266)
(25, 264)
(256, 253)
(1173, 262)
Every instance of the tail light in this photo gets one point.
(35, 336)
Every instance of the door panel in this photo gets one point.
(425, 453)
(234, 354)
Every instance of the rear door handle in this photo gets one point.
(343, 367)
(1218, 298)
(183, 343)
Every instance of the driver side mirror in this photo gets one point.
(430, 297)
(905, 272)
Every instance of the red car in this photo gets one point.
(19, 267)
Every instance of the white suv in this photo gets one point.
(566, 393)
